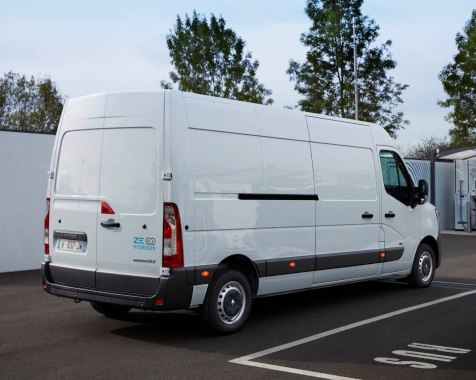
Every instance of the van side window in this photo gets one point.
(396, 178)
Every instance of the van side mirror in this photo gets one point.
(422, 191)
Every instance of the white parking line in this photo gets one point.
(296, 371)
(246, 360)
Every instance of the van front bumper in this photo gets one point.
(174, 291)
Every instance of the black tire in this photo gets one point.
(110, 310)
(227, 303)
(424, 266)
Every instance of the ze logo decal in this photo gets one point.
(143, 244)
(138, 240)
(150, 241)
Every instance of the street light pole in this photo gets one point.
(355, 73)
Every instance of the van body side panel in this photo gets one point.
(224, 165)
(282, 123)
(240, 181)
(223, 160)
(287, 166)
(343, 132)
(427, 221)
(291, 233)
(220, 115)
(347, 213)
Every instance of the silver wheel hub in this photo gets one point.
(425, 266)
(231, 302)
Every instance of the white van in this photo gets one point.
(167, 200)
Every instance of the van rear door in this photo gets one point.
(129, 225)
(129, 242)
(106, 203)
(74, 192)
(74, 208)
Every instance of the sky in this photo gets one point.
(93, 46)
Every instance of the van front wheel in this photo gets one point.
(423, 269)
(227, 304)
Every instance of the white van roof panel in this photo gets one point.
(341, 132)
(222, 115)
(282, 123)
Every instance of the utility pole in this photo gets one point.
(356, 89)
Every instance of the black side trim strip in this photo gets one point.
(278, 197)
(347, 259)
(198, 279)
(290, 265)
(261, 267)
(393, 254)
(276, 267)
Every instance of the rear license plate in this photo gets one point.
(72, 245)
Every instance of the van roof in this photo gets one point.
(379, 135)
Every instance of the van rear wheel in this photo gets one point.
(423, 269)
(110, 310)
(227, 304)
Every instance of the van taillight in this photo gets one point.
(47, 227)
(172, 252)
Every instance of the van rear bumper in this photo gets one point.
(175, 291)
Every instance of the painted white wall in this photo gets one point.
(24, 162)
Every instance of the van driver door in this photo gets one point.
(400, 221)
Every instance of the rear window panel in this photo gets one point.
(118, 165)
(129, 170)
(79, 163)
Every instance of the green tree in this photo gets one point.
(326, 79)
(29, 105)
(209, 59)
(424, 149)
(459, 82)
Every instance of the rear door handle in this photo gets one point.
(111, 223)
(390, 214)
(367, 215)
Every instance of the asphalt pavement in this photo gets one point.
(371, 330)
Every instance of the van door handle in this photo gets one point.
(111, 223)
(367, 215)
(390, 214)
